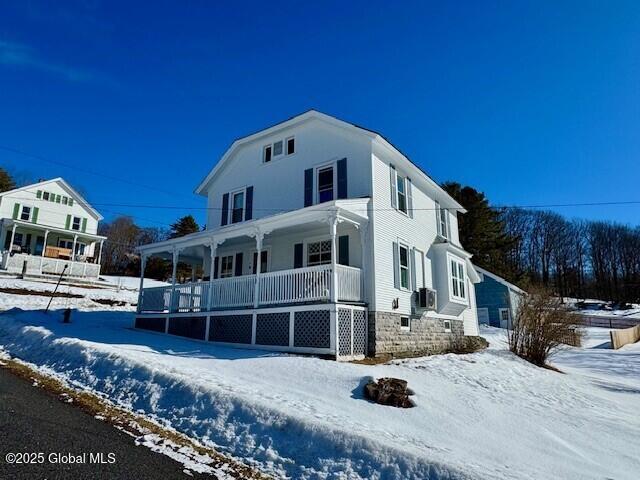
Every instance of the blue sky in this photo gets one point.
(530, 102)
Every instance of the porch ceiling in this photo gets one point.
(354, 211)
(43, 228)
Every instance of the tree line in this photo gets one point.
(532, 248)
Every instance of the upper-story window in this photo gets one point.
(237, 207)
(458, 289)
(276, 149)
(76, 223)
(325, 184)
(401, 195)
(442, 219)
(45, 196)
(26, 213)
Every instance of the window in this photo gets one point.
(319, 253)
(447, 325)
(65, 200)
(45, 195)
(405, 323)
(65, 244)
(267, 154)
(443, 221)
(75, 224)
(26, 213)
(277, 148)
(504, 316)
(226, 266)
(402, 194)
(237, 207)
(457, 280)
(403, 256)
(325, 184)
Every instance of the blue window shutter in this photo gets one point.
(308, 187)
(248, 209)
(238, 265)
(216, 261)
(396, 266)
(342, 178)
(343, 250)
(16, 210)
(297, 255)
(394, 186)
(225, 209)
(409, 187)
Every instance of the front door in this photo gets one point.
(264, 262)
(505, 318)
(39, 245)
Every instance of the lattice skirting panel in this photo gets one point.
(352, 332)
(338, 330)
(155, 324)
(190, 327)
(273, 328)
(231, 328)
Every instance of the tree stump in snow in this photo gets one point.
(389, 391)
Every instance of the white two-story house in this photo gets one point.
(321, 237)
(48, 229)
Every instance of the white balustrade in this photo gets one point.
(299, 285)
(349, 283)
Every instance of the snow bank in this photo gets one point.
(486, 415)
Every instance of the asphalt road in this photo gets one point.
(35, 421)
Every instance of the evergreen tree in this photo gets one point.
(184, 226)
(482, 231)
(6, 181)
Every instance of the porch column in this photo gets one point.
(13, 236)
(143, 264)
(44, 245)
(176, 256)
(212, 252)
(73, 250)
(256, 287)
(100, 253)
(364, 258)
(333, 230)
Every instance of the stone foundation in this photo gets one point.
(426, 336)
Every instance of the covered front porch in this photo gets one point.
(313, 255)
(44, 250)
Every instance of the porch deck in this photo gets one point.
(284, 287)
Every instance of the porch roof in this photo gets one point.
(354, 211)
(37, 226)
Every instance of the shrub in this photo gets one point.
(542, 325)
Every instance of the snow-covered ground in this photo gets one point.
(484, 415)
(117, 289)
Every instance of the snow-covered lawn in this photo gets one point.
(484, 415)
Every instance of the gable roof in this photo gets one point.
(501, 280)
(314, 114)
(76, 196)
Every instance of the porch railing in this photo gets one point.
(300, 285)
(37, 264)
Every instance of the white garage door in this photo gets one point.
(483, 316)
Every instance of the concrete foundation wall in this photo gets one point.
(426, 335)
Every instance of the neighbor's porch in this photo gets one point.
(48, 250)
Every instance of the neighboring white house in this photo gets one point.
(321, 237)
(52, 228)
